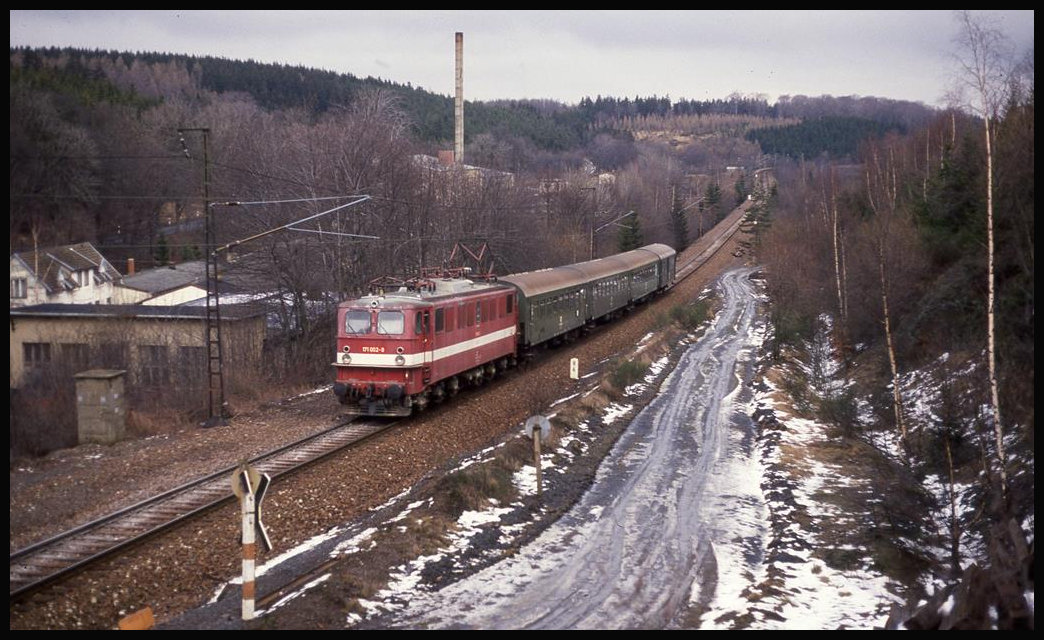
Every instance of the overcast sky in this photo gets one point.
(563, 55)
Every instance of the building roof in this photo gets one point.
(167, 278)
(54, 266)
(435, 164)
(133, 311)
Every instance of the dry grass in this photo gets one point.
(143, 424)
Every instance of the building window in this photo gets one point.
(19, 288)
(75, 356)
(36, 354)
(111, 355)
(154, 365)
(193, 363)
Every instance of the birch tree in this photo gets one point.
(984, 69)
(882, 194)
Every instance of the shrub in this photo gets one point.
(473, 487)
(692, 315)
(627, 373)
(43, 413)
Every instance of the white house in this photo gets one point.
(73, 274)
(164, 286)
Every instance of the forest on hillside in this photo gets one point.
(90, 130)
(918, 260)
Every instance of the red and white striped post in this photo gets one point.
(249, 552)
(245, 483)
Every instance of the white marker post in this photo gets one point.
(538, 428)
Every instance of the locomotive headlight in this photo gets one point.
(346, 359)
(399, 360)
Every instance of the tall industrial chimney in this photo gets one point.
(458, 111)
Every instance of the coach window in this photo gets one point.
(357, 322)
(391, 323)
(440, 320)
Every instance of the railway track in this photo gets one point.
(58, 557)
(50, 560)
(732, 225)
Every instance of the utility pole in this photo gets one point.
(591, 217)
(212, 324)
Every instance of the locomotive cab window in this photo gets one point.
(391, 323)
(423, 320)
(357, 322)
(440, 320)
(510, 300)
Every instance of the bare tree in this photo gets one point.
(839, 261)
(984, 69)
(882, 193)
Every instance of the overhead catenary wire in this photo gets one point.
(232, 245)
(334, 233)
(239, 203)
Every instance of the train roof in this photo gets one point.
(533, 283)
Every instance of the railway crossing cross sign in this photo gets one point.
(259, 495)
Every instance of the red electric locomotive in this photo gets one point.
(410, 343)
